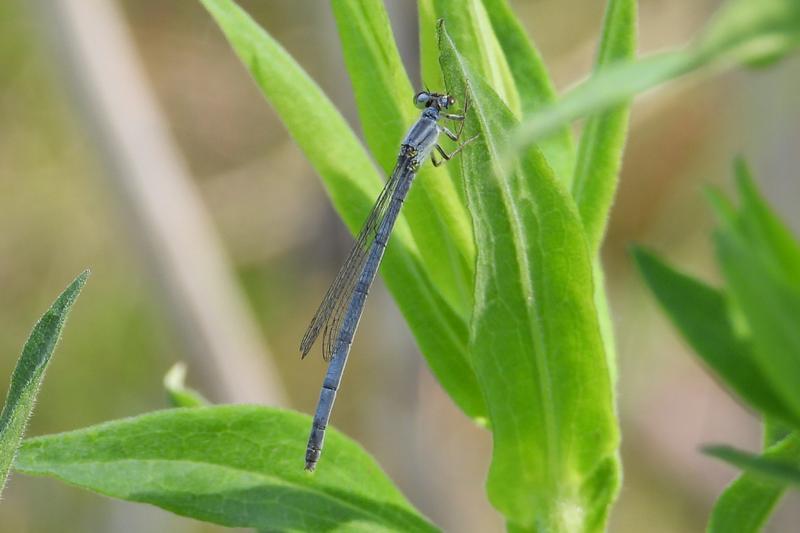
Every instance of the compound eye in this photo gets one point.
(444, 101)
(422, 100)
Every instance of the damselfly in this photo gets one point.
(340, 311)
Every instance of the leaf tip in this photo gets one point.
(83, 277)
(741, 170)
(72, 291)
(175, 378)
(724, 210)
(713, 450)
(641, 255)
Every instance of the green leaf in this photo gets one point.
(314, 123)
(29, 373)
(759, 258)
(178, 393)
(743, 32)
(439, 221)
(781, 466)
(534, 339)
(606, 89)
(765, 232)
(533, 83)
(770, 307)
(353, 184)
(599, 159)
(746, 503)
(751, 32)
(748, 337)
(430, 73)
(237, 466)
(701, 314)
(723, 208)
(605, 320)
(774, 432)
(381, 87)
(603, 138)
(471, 31)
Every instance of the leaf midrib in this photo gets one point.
(545, 397)
(268, 478)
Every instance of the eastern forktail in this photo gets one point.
(340, 311)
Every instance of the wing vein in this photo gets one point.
(328, 318)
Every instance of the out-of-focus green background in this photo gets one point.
(62, 210)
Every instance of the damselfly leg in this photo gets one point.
(445, 155)
(455, 117)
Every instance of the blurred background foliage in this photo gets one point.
(59, 213)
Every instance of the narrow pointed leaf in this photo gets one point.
(606, 322)
(430, 72)
(353, 184)
(599, 159)
(774, 431)
(751, 33)
(533, 83)
(534, 339)
(701, 315)
(766, 233)
(782, 466)
(237, 466)
(723, 208)
(746, 503)
(747, 337)
(743, 32)
(29, 373)
(603, 138)
(770, 307)
(471, 31)
(381, 87)
(606, 89)
(312, 120)
(438, 219)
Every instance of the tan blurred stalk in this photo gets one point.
(163, 207)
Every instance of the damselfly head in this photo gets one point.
(422, 99)
(425, 99)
